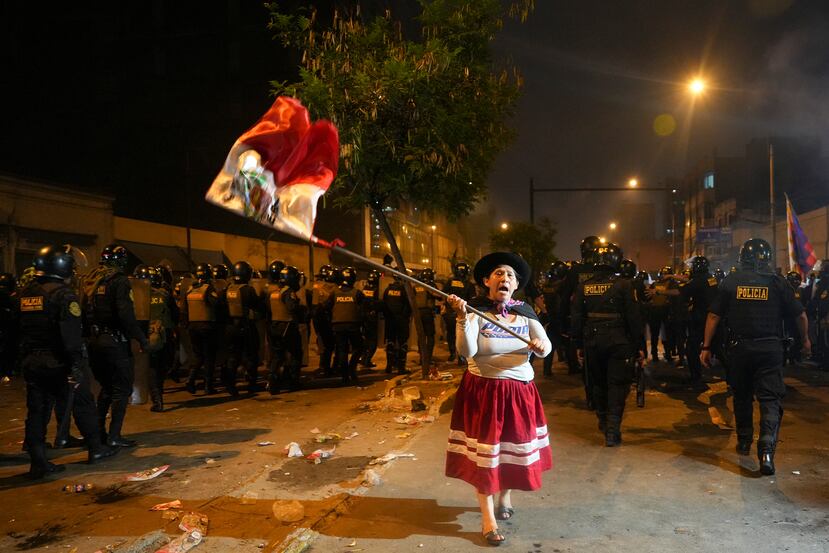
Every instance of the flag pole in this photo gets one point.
(337, 244)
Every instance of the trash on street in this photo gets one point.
(166, 506)
(389, 457)
(293, 450)
(148, 474)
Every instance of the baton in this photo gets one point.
(63, 427)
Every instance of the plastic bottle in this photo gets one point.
(77, 488)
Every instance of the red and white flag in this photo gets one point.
(277, 170)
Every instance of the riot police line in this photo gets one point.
(599, 311)
(77, 330)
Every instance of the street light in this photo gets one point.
(432, 247)
(633, 183)
(504, 226)
(696, 86)
(612, 226)
(602, 240)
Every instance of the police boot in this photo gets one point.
(766, 458)
(158, 401)
(743, 446)
(273, 384)
(613, 438)
(68, 442)
(40, 466)
(100, 452)
(602, 422)
(115, 439)
(191, 386)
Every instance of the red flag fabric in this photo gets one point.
(277, 170)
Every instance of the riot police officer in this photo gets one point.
(54, 357)
(579, 272)
(372, 307)
(719, 274)
(163, 321)
(397, 312)
(818, 308)
(425, 303)
(202, 303)
(607, 329)
(321, 290)
(755, 300)
(112, 316)
(792, 351)
(220, 272)
(345, 305)
(8, 324)
(459, 285)
(659, 313)
(284, 313)
(243, 305)
(552, 293)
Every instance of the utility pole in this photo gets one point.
(771, 208)
(532, 201)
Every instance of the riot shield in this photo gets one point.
(141, 298)
(220, 284)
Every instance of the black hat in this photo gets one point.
(485, 266)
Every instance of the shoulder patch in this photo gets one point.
(75, 309)
(712, 281)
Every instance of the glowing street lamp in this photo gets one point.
(633, 183)
(504, 226)
(612, 226)
(696, 86)
(602, 240)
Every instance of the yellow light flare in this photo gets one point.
(696, 86)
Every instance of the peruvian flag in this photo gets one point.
(277, 170)
(801, 254)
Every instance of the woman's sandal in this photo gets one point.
(495, 538)
(504, 513)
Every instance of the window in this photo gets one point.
(708, 181)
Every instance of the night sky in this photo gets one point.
(138, 100)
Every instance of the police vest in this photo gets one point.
(159, 311)
(103, 310)
(39, 317)
(756, 305)
(602, 304)
(320, 292)
(423, 299)
(660, 299)
(395, 299)
(279, 311)
(346, 309)
(198, 310)
(457, 287)
(236, 305)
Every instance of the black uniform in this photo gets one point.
(164, 314)
(698, 293)
(284, 313)
(755, 304)
(659, 314)
(552, 292)
(8, 332)
(398, 314)
(345, 305)
(465, 290)
(202, 303)
(243, 306)
(678, 321)
(320, 292)
(578, 274)
(819, 313)
(790, 330)
(52, 350)
(425, 303)
(372, 307)
(113, 324)
(606, 323)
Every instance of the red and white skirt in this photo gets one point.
(498, 435)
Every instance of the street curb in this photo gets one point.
(299, 540)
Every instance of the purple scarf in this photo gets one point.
(503, 308)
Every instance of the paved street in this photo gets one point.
(675, 485)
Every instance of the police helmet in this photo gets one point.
(557, 271)
(587, 246)
(141, 271)
(608, 256)
(627, 269)
(165, 274)
(291, 277)
(7, 282)
(54, 262)
(220, 272)
(373, 278)
(336, 276)
(642, 276)
(274, 269)
(461, 270)
(242, 272)
(204, 272)
(755, 255)
(115, 255)
(156, 280)
(719, 274)
(666, 270)
(325, 272)
(428, 276)
(348, 276)
(794, 279)
(700, 266)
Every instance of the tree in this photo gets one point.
(420, 121)
(535, 243)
